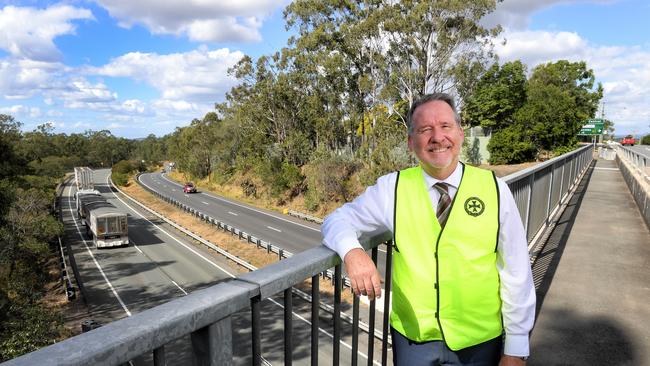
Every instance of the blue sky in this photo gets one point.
(149, 66)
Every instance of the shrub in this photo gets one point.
(328, 178)
(120, 179)
(563, 150)
(645, 140)
(123, 167)
(510, 146)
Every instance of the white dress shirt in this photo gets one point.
(372, 212)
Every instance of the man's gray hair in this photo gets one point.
(443, 97)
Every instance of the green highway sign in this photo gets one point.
(592, 127)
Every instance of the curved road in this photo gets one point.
(284, 231)
(159, 266)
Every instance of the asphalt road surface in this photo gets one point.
(160, 265)
(286, 232)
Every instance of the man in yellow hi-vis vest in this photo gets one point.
(463, 292)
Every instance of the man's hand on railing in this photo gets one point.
(363, 274)
(511, 361)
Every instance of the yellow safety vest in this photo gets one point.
(445, 282)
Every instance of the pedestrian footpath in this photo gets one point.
(593, 279)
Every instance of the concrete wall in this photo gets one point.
(639, 184)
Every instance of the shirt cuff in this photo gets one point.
(345, 242)
(516, 345)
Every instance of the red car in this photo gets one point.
(628, 140)
(189, 188)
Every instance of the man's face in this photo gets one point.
(436, 138)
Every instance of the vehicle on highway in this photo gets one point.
(104, 223)
(84, 197)
(189, 187)
(83, 177)
(628, 140)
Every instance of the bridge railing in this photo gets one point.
(207, 315)
(542, 189)
(634, 167)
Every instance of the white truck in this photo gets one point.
(84, 178)
(104, 223)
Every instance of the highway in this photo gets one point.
(289, 233)
(160, 265)
(284, 231)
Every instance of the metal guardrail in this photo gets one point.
(206, 315)
(304, 216)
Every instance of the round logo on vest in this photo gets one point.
(474, 206)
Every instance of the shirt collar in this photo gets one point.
(452, 180)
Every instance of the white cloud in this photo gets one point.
(20, 78)
(19, 110)
(115, 125)
(82, 125)
(80, 93)
(29, 32)
(56, 124)
(200, 20)
(534, 47)
(197, 76)
(515, 14)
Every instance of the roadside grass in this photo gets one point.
(258, 257)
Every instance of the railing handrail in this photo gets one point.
(125, 339)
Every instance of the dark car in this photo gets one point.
(189, 188)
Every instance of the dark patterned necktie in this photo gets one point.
(444, 203)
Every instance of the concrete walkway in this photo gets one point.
(593, 279)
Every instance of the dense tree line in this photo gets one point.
(31, 165)
(326, 114)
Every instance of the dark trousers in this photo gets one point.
(436, 353)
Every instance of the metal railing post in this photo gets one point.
(159, 356)
(288, 326)
(387, 286)
(212, 345)
(550, 191)
(336, 353)
(315, 300)
(256, 303)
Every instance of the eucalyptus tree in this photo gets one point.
(434, 45)
(391, 52)
(498, 94)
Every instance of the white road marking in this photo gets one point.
(270, 299)
(101, 271)
(136, 247)
(180, 288)
(205, 203)
(324, 331)
(606, 168)
(232, 213)
(246, 207)
(168, 234)
(272, 228)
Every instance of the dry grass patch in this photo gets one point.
(56, 299)
(250, 253)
